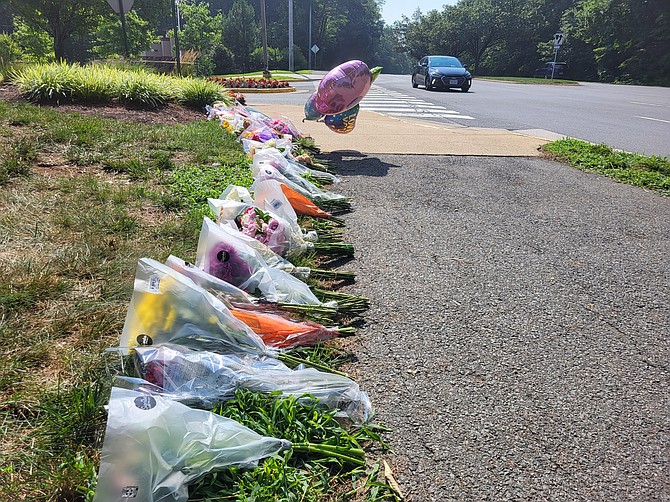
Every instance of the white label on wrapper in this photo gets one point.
(276, 204)
(154, 284)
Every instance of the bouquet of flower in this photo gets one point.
(227, 256)
(273, 222)
(233, 296)
(167, 306)
(290, 168)
(328, 201)
(208, 377)
(155, 446)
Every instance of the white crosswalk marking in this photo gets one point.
(397, 104)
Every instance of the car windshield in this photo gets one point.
(446, 61)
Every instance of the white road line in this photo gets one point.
(648, 104)
(432, 115)
(650, 118)
(398, 104)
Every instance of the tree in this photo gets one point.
(241, 33)
(200, 29)
(61, 19)
(110, 39)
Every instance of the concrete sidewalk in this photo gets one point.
(376, 133)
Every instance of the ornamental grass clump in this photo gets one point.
(47, 82)
(144, 89)
(197, 93)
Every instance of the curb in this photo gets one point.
(252, 90)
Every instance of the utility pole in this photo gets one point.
(291, 65)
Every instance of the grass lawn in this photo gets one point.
(82, 198)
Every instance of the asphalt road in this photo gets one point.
(517, 340)
(632, 118)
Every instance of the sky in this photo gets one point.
(393, 10)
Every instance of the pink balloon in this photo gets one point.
(343, 87)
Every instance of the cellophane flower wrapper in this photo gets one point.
(293, 170)
(154, 447)
(229, 258)
(282, 236)
(234, 119)
(271, 258)
(283, 145)
(280, 331)
(321, 197)
(210, 378)
(259, 131)
(167, 306)
(221, 289)
(284, 126)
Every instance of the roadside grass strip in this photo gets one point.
(650, 172)
(82, 199)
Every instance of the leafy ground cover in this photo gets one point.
(649, 172)
(82, 198)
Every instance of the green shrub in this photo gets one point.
(47, 82)
(197, 93)
(10, 53)
(144, 89)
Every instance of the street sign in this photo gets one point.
(315, 48)
(558, 39)
(127, 5)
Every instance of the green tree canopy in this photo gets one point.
(241, 33)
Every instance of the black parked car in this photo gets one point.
(545, 71)
(441, 72)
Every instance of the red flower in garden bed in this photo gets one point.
(249, 83)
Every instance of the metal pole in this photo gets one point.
(123, 28)
(291, 65)
(553, 67)
(309, 48)
(265, 36)
(176, 36)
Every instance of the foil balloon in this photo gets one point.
(342, 123)
(343, 87)
(311, 113)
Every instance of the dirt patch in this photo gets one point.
(171, 113)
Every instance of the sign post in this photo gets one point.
(121, 7)
(315, 49)
(558, 41)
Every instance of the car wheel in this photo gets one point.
(427, 83)
(465, 88)
(414, 84)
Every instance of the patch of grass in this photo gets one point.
(650, 172)
(324, 453)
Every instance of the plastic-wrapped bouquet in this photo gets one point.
(208, 377)
(327, 201)
(167, 306)
(155, 446)
(228, 257)
(236, 297)
(272, 221)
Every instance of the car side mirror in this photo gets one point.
(465, 66)
(424, 64)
